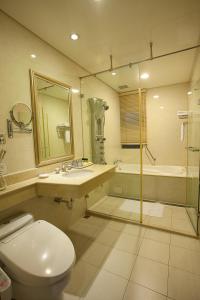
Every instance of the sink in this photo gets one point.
(77, 173)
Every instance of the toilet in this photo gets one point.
(37, 256)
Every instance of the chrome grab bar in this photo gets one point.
(193, 149)
(149, 152)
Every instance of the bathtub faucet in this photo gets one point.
(116, 162)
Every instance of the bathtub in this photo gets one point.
(174, 171)
(166, 184)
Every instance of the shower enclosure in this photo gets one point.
(193, 162)
(119, 121)
(152, 134)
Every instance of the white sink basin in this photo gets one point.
(78, 173)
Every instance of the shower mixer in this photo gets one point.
(98, 108)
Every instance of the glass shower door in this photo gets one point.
(121, 196)
(193, 164)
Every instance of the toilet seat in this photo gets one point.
(39, 256)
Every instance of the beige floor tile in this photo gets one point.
(146, 219)
(115, 225)
(150, 274)
(107, 286)
(121, 214)
(183, 285)
(108, 237)
(134, 217)
(182, 226)
(160, 222)
(84, 228)
(119, 263)
(182, 216)
(128, 243)
(97, 221)
(185, 242)
(135, 230)
(155, 250)
(80, 242)
(167, 211)
(157, 235)
(69, 297)
(187, 260)
(179, 212)
(96, 254)
(137, 292)
(82, 276)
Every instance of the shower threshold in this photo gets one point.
(166, 217)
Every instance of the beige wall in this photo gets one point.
(17, 44)
(43, 208)
(163, 126)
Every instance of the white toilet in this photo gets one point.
(37, 256)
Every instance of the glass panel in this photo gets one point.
(166, 82)
(111, 109)
(194, 146)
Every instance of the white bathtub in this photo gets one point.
(174, 171)
(165, 184)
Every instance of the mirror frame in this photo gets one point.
(33, 76)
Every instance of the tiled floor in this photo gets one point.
(119, 261)
(159, 215)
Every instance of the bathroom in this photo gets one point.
(111, 167)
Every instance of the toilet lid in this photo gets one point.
(41, 255)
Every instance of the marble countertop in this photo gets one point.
(96, 172)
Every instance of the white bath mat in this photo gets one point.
(151, 209)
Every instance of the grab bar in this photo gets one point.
(149, 152)
(193, 149)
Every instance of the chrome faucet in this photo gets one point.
(76, 163)
(116, 162)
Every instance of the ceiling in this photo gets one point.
(121, 28)
(172, 69)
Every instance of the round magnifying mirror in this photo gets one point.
(21, 115)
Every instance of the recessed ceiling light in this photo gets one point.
(33, 55)
(189, 93)
(156, 96)
(114, 73)
(161, 107)
(144, 76)
(75, 91)
(74, 36)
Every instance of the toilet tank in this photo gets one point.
(11, 225)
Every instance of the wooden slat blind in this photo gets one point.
(129, 118)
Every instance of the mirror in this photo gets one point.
(52, 120)
(21, 115)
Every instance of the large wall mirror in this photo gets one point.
(52, 120)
